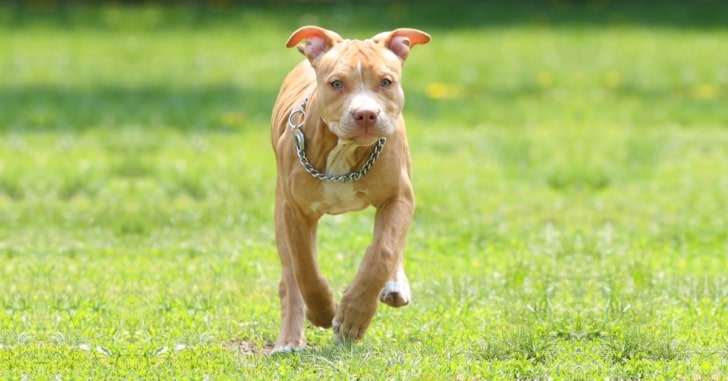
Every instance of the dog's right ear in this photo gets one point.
(318, 41)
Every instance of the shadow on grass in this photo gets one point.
(211, 108)
(230, 108)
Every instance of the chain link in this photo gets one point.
(301, 152)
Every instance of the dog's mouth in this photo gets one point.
(362, 137)
(367, 135)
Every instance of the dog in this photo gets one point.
(340, 144)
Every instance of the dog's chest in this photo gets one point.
(340, 198)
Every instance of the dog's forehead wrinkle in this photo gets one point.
(362, 57)
(363, 51)
(361, 76)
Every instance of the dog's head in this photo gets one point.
(359, 92)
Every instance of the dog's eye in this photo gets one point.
(337, 84)
(385, 82)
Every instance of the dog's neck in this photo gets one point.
(343, 158)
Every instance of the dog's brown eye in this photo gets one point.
(337, 84)
(385, 82)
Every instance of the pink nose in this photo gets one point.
(364, 116)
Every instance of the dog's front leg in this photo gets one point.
(381, 261)
(293, 309)
(300, 233)
(396, 292)
(302, 288)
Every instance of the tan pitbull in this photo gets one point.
(340, 144)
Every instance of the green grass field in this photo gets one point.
(570, 168)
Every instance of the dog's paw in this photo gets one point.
(288, 342)
(286, 349)
(395, 294)
(321, 316)
(347, 332)
(352, 320)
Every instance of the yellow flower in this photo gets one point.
(545, 79)
(705, 92)
(232, 119)
(439, 90)
(612, 79)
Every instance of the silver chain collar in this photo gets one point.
(300, 145)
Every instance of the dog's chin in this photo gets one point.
(364, 140)
(360, 139)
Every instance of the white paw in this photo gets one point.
(336, 325)
(395, 294)
(286, 349)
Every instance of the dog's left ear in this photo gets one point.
(401, 40)
(319, 40)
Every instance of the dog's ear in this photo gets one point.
(318, 41)
(401, 40)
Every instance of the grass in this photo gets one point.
(569, 169)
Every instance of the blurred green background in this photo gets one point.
(569, 167)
